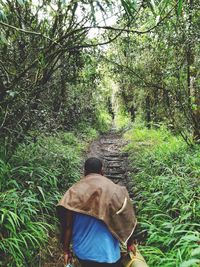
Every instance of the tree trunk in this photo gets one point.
(193, 88)
(189, 52)
(148, 111)
(196, 112)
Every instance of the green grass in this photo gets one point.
(166, 176)
(31, 183)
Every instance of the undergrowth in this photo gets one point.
(166, 176)
(31, 183)
(122, 121)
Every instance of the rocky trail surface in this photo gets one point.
(115, 166)
(115, 162)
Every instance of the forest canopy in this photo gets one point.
(51, 53)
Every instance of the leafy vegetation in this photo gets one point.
(166, 187)
(51, 64)
(31, 184)
(157, 72)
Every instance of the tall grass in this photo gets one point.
(166, 177)
(31, 184)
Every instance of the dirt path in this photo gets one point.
(115, 164)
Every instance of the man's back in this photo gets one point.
(93, 241)
(96, 215)
(99, 197)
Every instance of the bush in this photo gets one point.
(31, 184)
(122, 121)
(85, 132)
(166, 188)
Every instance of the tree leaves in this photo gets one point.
(3, 39)
(2, 16)
(21, 2)
(129, 6)
(179, 8)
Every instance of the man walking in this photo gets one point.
(96, 215)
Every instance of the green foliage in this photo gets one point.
(48, 81)
(49, 157)
(166, 188)
(31, 184)
(104, 121)
(85, 132)
(51, 80)
(180, 3)
(157, 71)
(130, 6)
(23, 226)
(122, 119)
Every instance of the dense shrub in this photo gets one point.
(31, 184)
(167, 191)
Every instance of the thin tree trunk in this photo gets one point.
(189, 52)
(192, 87)
(148, 111)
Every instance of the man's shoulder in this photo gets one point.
(92, 179)
(97, 181)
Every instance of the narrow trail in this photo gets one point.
(115, 162)
(115, 166)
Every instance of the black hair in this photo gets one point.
(93, 165)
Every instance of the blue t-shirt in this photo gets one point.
(92, 240)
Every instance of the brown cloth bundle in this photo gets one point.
(97, 196)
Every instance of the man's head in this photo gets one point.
(93, 165)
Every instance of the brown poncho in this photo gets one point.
(97, 196)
